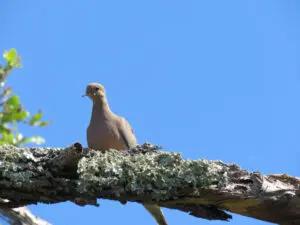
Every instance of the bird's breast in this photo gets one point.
(103, 136)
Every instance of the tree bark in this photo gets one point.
(202, 188)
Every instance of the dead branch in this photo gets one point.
(21, 216)
(202, 188)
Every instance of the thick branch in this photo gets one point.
(202, 188)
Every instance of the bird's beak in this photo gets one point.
(84, 95)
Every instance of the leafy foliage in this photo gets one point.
(12, 112)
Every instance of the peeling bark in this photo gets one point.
(202, 188)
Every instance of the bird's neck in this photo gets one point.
(100, 107)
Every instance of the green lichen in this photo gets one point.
(161, 174)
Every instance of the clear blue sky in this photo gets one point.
(212, 79)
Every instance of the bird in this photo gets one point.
(107, 130)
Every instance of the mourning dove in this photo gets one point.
(109, 131)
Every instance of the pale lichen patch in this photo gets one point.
(161, 174)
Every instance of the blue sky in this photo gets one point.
(210, 79)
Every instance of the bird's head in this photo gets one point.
(95, 91)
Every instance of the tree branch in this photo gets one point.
(21, 216)
(202, 188)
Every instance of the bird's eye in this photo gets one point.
(96, 88)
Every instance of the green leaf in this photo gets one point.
(20, 116)
(11, 109)
(10, 55)
(34, 139)
(35, 119)
(44, 124)
(12, 58)
(2, 143)
(8, 138)
(18, 62)
(14, 116)
(4, 128)
(2, 72)
(7, 118)
(13, 103)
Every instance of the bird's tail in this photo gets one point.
(156, 213)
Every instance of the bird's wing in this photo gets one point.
(126, 133)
